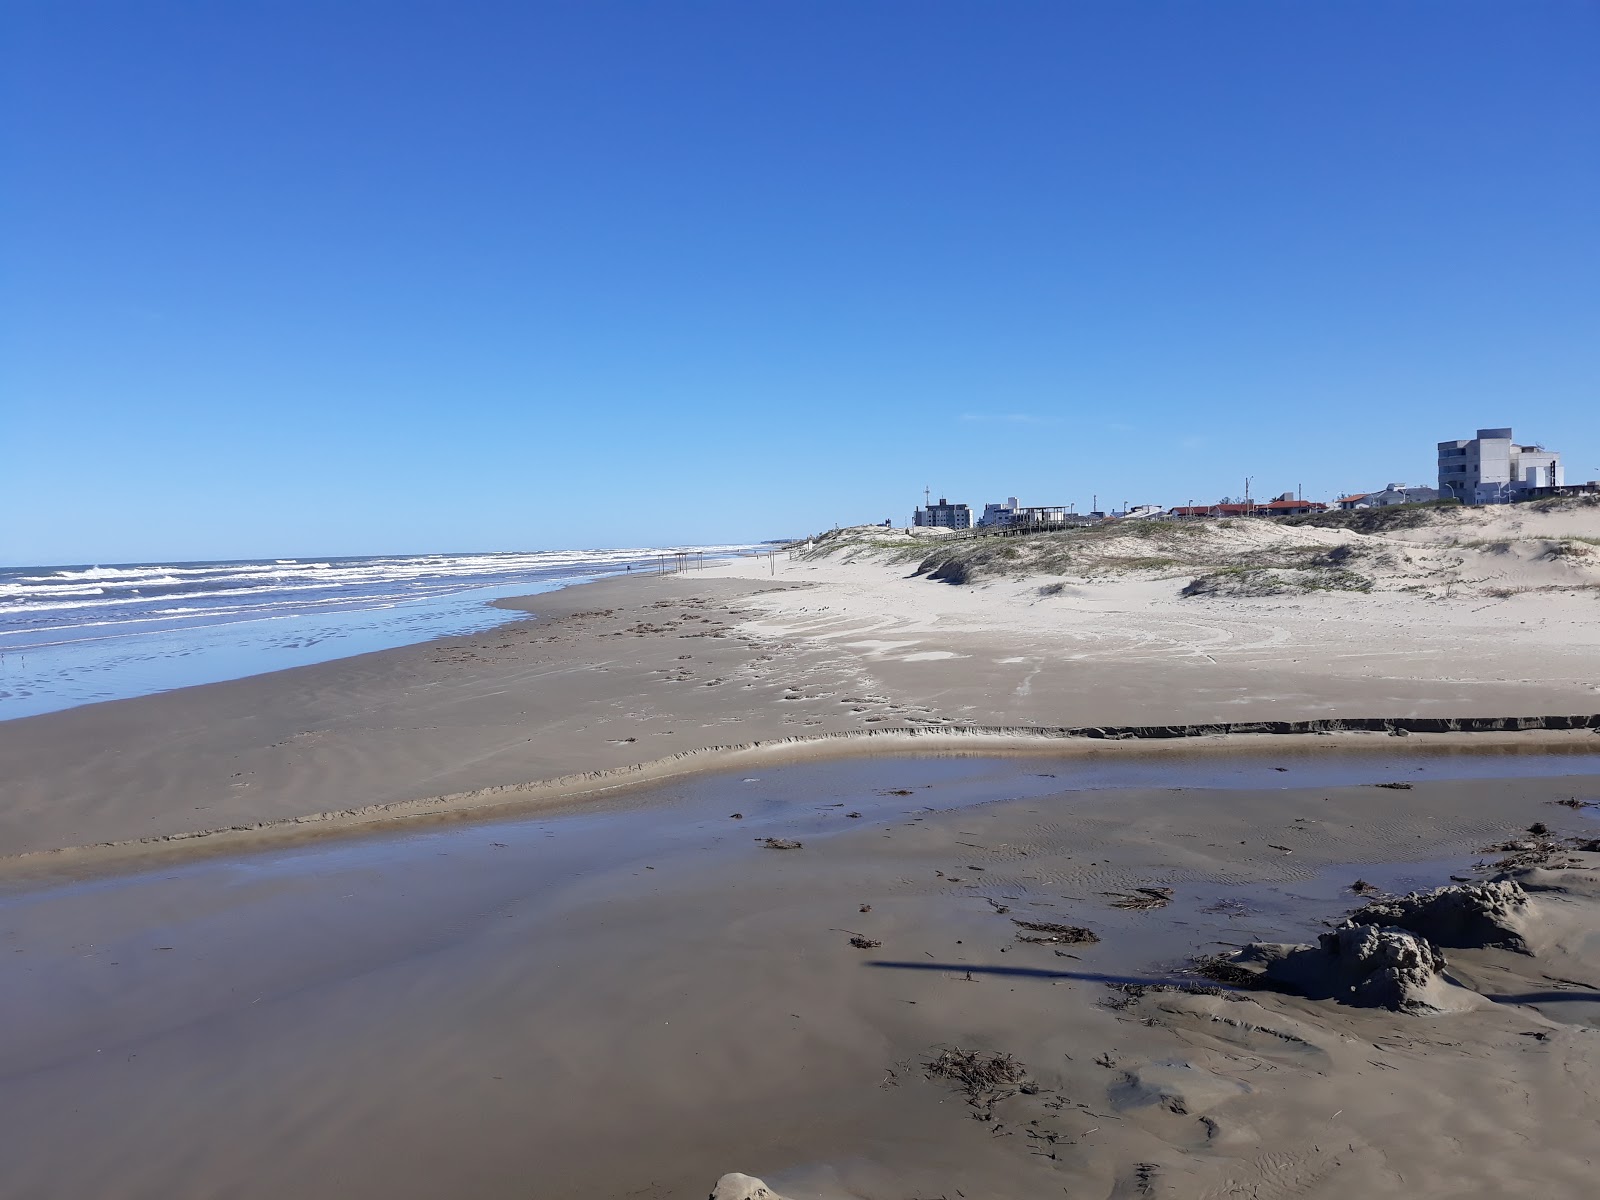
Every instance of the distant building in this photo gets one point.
(1037, 515)
(1494, 469)
(1284, 506)
(1287, 505)
(943, 515)
(1014, 515)
(998, 514)
(1223, 508)
(1394, 493)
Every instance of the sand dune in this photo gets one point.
(1480, 611)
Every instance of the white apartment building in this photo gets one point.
(999, 514)
(1493, 469)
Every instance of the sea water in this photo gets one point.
(73, 635)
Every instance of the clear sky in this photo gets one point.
(354, 277)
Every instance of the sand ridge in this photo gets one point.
(1547, 735)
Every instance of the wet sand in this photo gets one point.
(631, 999)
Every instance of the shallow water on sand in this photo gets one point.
(377, 990)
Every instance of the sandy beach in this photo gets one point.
(551, 950)
(460, 738)
(636, 671)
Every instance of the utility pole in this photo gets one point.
(1247, 506)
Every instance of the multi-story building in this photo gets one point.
(1493, 469)
(943, 515)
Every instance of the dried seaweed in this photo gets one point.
(1223, 970)
(984, 1078)
(1523, 852)
(1047, 933)
(1141, 898)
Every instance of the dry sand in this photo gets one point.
(627, 994)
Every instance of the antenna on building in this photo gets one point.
(927, 494)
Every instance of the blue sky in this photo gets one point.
(339, 277)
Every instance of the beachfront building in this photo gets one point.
(942, 515)
(1044, 516)
(1222, 508)
(1394, 493)
(1030, 518)
(1493, 469)
(1286, 505)
(1289, 505)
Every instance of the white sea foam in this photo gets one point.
(78, 594)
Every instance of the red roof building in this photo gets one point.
(1290, 508)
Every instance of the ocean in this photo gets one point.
(74, 635)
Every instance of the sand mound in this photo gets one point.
(1468, 915)
(1364, 966)
(1386, 954)
(735, 1186)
